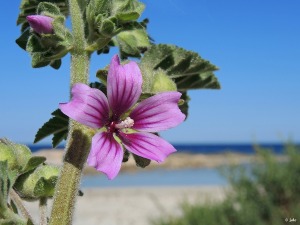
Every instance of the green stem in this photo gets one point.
(18, 202)
(78, 144)
(43, 211)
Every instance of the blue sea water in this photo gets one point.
(204, 148)
(182, 177)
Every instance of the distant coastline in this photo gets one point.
(243, 148)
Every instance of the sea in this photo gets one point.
(180, 177)
(276, 148)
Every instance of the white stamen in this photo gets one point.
(127, 123)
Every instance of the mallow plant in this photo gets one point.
(105, 122)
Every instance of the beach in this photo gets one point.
(135, 205)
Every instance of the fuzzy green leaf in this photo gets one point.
(57, 126)
(34, 44)
(127, 10)
(48, 9)
(4, 185)
(23, 39)
(132, 41)
(7, 180)
(38, 60)
(37, 183)
(186, 68)
(45, 187)
(33, 163)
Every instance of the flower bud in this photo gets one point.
(40, 24)
(38, 183)
(16, 155)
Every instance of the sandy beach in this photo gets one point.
(135, 205)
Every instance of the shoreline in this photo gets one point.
(136, 205)
(174, 161)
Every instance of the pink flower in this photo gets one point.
(122, 122)
(40, 24)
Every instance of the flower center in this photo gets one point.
(127, 123)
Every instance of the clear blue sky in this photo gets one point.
(256, 45)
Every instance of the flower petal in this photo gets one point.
(88, 106)
(124, 86)
(40, 24)
(106, 154)
(157, 113)
(147, 145)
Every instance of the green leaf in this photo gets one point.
(205, 80)
(7, 180)
(131, 42)
(61, 33)
(34, 44)
(33, 163)
(23, 39)
(59, 137)
(45, 187)
(140, 161)
(55, 64)
(102, 75)
(127, 10)
(48, 9)
(37, 183)
(4, 185)
(13, 207)
(16, 155)
(57, 126)
(126, 156)
(186, 68)
(38, 60)
(99, 86)
(184, 107)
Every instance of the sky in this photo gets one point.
(256, 45)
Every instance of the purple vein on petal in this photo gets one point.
(88, 106)
(157, 113)
(124, 84)
(147, 145)
(106, 154)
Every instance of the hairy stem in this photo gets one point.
(18, 202)
(78, 144)
(43, 211)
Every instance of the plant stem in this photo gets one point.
(18, 202)
(43, 211)
(78, 144)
